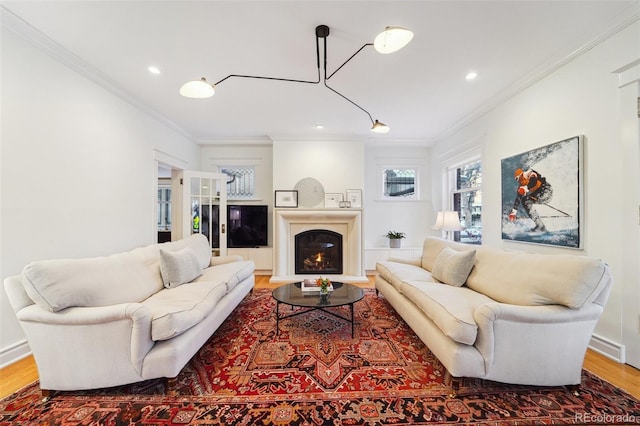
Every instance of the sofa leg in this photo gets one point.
(47, 394)
(455, 384)
(574, 389)
(171, 386)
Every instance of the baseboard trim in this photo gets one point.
(606, 347)
(14, 353)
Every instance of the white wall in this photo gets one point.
(337, 165)
(78, 174)
(342, 165)
(414, 218)
(581, 98)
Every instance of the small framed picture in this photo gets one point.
(332, 200)
(354, 196)
(287, 198)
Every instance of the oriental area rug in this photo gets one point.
(314, 373)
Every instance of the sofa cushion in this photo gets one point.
(537, 279)
(179, 267)
(175, 310)
(433, 246)
(396, 272)
(452, 267)
(450, 308)
(230, 273)
(99, 281)
(197, 242)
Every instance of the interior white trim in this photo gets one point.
(64, 56)
(537, 75)
(611, 350)
(14, 353)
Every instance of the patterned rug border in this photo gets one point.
(479, 402)
(423, 393)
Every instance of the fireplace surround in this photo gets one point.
(288, 223)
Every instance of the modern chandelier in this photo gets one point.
(390, 40)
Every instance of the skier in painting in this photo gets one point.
(533, 188)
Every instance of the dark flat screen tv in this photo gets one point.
(246, 225)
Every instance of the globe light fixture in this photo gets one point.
(392, 39)
(197, 89)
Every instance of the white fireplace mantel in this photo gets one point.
(290, 222)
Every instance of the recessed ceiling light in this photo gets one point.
(471, 75)
(319, 126)
(154, 70)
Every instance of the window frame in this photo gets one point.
(450, 189)
(399, 166)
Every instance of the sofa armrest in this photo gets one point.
(491, 312)
(542, 345)
(220, 260)
(88, 347)
(415, 262)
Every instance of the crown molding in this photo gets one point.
(622, 21)
(221, 141)
(36, 38)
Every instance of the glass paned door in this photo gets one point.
(205, 207)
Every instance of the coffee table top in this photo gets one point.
(342, 294)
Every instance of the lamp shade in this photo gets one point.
(439, 222)
(392, 39)
(379, 127)
(448, 221)
(198, 89)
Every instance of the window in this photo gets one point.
(164, 208)
(241, 183)
(399, 183)
(466, 194)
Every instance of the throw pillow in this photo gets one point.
(179, 267)
(453, 267)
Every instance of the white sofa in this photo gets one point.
(106, 321)
(510, 317)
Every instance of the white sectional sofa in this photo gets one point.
(504, 316)
(106, 321)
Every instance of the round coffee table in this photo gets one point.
(292, 295)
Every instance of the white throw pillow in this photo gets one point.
(179, 267)
(453, 267)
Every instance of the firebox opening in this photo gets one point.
(318, 251)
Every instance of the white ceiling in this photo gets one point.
(420, 91)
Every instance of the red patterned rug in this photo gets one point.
(314, 373)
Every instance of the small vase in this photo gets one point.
(394, 242)
(324, 291)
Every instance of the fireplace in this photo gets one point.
(318, 251)
(288, 223)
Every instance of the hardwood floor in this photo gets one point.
(24, 372)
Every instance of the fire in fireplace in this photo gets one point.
(318, 251)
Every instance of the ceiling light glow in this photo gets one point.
(197, 89)
(392, 39)
(471, 75)
(154, 70)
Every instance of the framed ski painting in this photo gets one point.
(542, 195)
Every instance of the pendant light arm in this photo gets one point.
(349, 100)
(284, 79)
(344, 63)
(270, 78)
